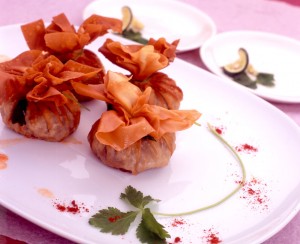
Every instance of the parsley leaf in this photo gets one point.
(112, 220)
(136, 198)
(152, 225)
(265, 79)
(134, 36)
(146, 236)
(244, 79)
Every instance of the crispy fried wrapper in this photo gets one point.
(142, 155)
(144, 64)
(61, 36)
(35, 94)
(133, 122)
(61, 39)
(162, 46)
(141, 60)
(164, 92)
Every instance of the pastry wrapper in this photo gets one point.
(132, 118)
(141, 60)
(61, 36)
(41, 76)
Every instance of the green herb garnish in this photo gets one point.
(240, 185)
(244, 79)
(242, 72)
(134, 36)
(131, 27)
(112, 220)
(265, 79)
(70, 96)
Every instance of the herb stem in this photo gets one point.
(76, 101)
(240, 185)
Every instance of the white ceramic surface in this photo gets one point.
(268, 52)
(200, 172)
(162, 18)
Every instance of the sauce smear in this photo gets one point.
(3, 161)
(45, 193)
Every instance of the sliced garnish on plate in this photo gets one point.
(161, 18)
(130, 21)
(243, 72)
(239, 65)
(127, 17)
(132, 27)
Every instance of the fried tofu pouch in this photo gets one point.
(133, 135)
(61, 39)
(145, 62)
(35, 99)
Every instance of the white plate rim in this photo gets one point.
(207, 20)
(272, 109)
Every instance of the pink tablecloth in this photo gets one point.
(278, 16)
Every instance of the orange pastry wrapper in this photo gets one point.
(40, 74)
(165, 48)
(50, 72)
(60, 36)
(142, 61)
(132, 118)
(10, 87)
(96, 26)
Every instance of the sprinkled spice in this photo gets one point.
(177, 239)
(254, 192)
(73, 207)
(212, 236)
(214, 239)
(114, 219)
(177, 222)
(220, 130)
(246, 148)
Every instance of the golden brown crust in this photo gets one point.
(61, 39)
(61, 36)
(36, 98)
(144, 62)
(143, 155)
(165, 92)
(133, 135)
(42, 120)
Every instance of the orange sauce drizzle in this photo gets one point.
(3, 161)
(10, 142)
(45, 193)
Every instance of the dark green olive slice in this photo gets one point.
(239, 65)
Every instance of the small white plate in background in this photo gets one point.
(268, 52)
(161, 18)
